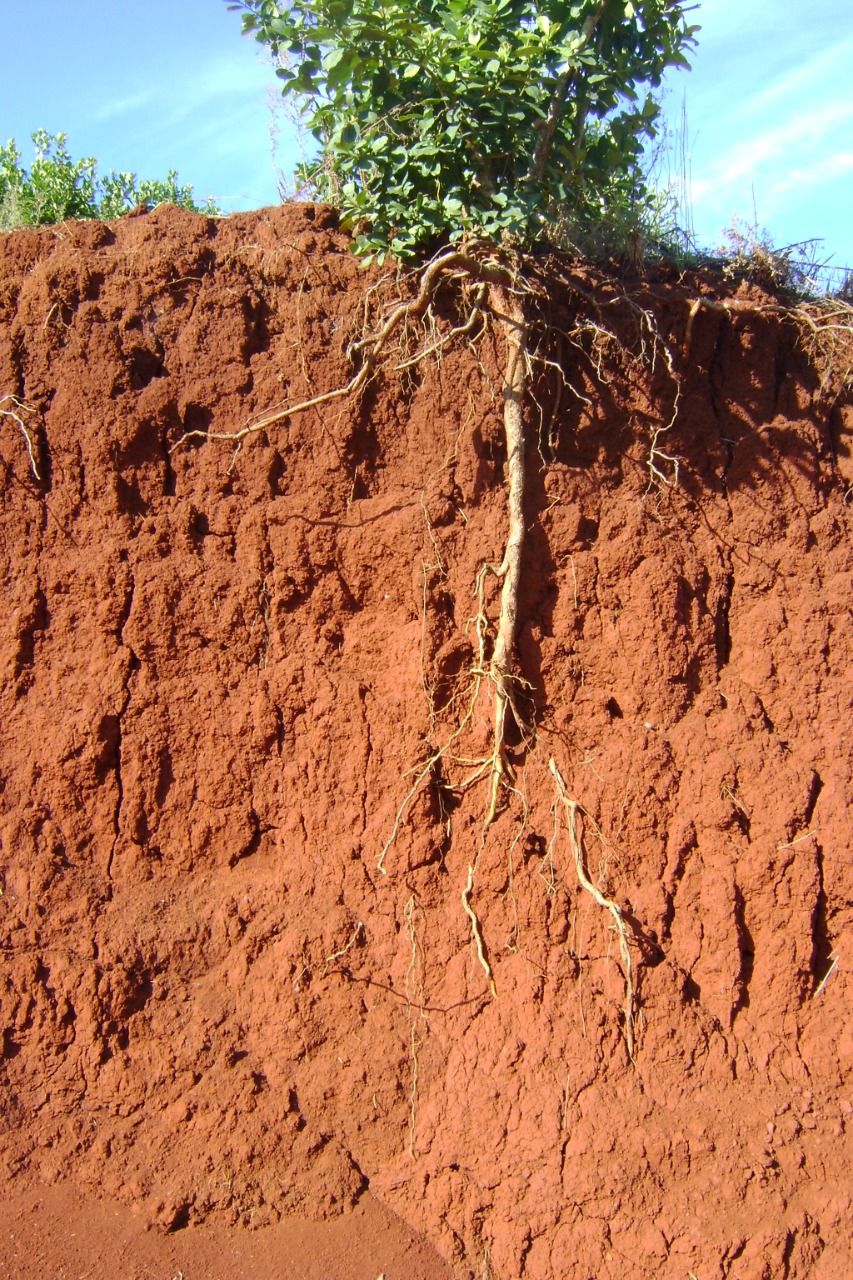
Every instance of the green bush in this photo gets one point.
(57, 188)
(463, 119)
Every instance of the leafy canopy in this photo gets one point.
(491, 118)
(57, 188)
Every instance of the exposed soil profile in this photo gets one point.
(214, 1009)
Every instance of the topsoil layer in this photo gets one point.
(217, 678)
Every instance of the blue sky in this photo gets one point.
(770, 120)
(150, 85)
(142, 85)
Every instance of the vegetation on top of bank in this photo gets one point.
(57, 188)
(487, 120)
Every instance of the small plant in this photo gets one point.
(57, 188)
(845, 289)
(122, 192)
(748, 253)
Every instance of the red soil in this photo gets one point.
(214, 1009)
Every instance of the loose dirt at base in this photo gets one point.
(214, 1009)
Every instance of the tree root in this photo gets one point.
(572, 808)
(371, 348)
(476, 931)
(509, 308)
(428, 768)
(22, 426)
(824, 328)
(495, 293)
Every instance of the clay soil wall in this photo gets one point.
(216, 677)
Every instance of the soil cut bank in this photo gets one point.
(213, 1007)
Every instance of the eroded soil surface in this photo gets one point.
(214, 1009)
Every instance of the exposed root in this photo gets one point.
(497, 765)
(345, 950)
(428, 768)
(22, 426)
(451, 263)
(728, 307)
(475, 319)
(506, 306)
(414, 989)
(415, 1043)
(821, 987)
(493, 292)
(564, 1120)
(825, 331)
(509, 308)
(663, 467)
(252, 428)
(572, 808)
(476, 930)
(657, 459)
(597, 342)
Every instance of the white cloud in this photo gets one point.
(210, 87)
(805, 78)
(786, 142)
(826, 170)
(224, 78)
(123, 106)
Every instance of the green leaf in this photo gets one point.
(425, 113)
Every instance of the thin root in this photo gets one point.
(450, 263)
(572, 808)
(828, 344)
(415, 996)
(426, 770)
(22, 427)
(476, 931)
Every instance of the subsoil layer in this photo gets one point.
(217, 675)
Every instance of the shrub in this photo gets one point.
(487, 119)
(57, 188)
